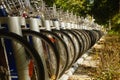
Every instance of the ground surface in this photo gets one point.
(108, 44)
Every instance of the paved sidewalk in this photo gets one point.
(82, 72)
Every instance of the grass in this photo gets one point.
(109, 59)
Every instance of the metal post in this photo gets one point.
(56, 24)
(22, 22)
(47, 25)
(68, 25)
(62, 25)
(51, 23)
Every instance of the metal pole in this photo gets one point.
(56, 24)
(47, 25)
(62, 25)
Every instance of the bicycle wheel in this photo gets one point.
(55, 52)
(70, 45)
(31, 64)
(83, 38)
(88, 40)
(92, 37)
(3, 64)
(80, 40)
(75, 39)
(98, 34)
(61, 47)
(50, 52)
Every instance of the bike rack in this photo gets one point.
(80, 26)
(34, 25)
(14, 26)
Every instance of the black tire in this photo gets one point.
(70, 46)
(32, 52)
(83, 39)
(88, 39)
(54, 46)
(76, 41)
(80, 40)
(51, 56)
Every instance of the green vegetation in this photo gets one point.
(76, 6)
(114, 31)
(104, 11)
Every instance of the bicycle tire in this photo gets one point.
(32, 52)
(64, 47)
(70, 48)
(87, 38)
(47, 40)
(76, 41)
(82, 38)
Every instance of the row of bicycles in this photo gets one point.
(39, 42)
(29, 52)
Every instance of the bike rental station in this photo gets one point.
(39, 42)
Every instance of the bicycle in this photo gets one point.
(33, 63)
